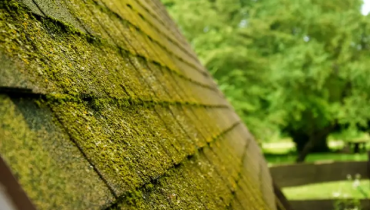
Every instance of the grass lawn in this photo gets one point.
(274, 159)
(283, 153)
(328, 190)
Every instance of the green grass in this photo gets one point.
(328, 190)
(283, 152)
(289, 158)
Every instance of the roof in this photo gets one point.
(103, 105)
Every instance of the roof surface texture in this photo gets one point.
(103, 105)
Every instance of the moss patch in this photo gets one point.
(194, 184)
(136, 115)
(48, 165)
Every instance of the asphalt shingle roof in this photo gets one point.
(103, 105)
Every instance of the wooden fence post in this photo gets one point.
(282, 202)
(302, 174)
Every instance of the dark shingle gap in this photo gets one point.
(19, 92)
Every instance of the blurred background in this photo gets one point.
(296, 71)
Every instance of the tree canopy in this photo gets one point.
(287, 66)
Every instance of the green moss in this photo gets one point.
(179, 191)
(186, 144)
(194, 184)
(228, 170)
(58, 10)
(62, 59)
(247, 188)
(243, 197)
(199, 123)
(217, 182)
(204, 191)
(231, 162)
(133, 197)
(188, 126)
(10, 77)
(49, 167)
(121, 141)
(158, 129)
(132, 101)
(135, 15)
(163, 78)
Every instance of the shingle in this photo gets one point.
(47, 163)
(105, 105)
(57, 9)
(33, 7)
(186, 143)
(117, 141)
(11, 78)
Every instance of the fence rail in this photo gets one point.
(302, 174)
(319, 172)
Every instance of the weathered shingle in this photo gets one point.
(49, 166)
(103, 104)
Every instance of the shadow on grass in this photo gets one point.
(285, 158)
(289, 157)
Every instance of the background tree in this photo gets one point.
(295, 67)
(216, 31)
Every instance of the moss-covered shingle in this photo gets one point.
(103, 105)
(47, 163)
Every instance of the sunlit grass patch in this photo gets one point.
(328, 190)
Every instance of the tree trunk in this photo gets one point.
(306, 150)
(317, 143)
(302, 139)
(321, 144)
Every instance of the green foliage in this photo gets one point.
(345, 203)
(215, 29)
(297, 64)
